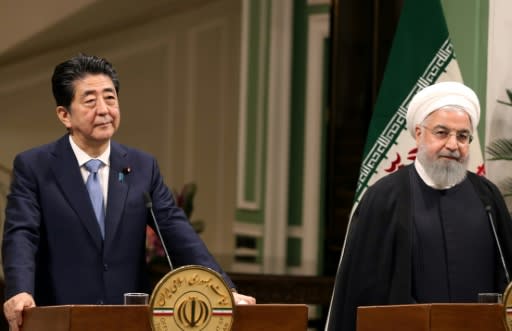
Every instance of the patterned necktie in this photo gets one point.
(95, 192)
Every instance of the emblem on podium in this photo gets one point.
(192, 298)
(507, 306)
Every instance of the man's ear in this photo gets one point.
(64, 116)
(417, 134)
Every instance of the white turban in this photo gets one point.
(440, 95)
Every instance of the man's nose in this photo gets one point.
(101, 107)
(452, 142)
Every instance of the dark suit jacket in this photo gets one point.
(52, 246)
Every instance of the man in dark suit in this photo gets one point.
(60, 245)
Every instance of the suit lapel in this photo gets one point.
(117, 191)
(68, 176)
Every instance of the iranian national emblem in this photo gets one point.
(192, 312)
(192, 298)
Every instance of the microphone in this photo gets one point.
(149, 206)
(493, 226)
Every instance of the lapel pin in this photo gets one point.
(125, 171)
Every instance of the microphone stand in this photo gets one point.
(493, 226)
(149, 206)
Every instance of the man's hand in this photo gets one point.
(241, 299)
(13, 309)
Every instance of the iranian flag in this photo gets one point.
(422, 54)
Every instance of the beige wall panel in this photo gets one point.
(30, 17)
(28, 118)
(143, 100)
(211, 122)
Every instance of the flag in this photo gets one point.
(422, 54)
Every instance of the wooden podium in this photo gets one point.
(430, 317)
(136, 318)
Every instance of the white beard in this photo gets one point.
(443, 172)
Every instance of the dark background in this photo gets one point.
(362, 34)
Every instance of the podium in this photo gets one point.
(430, 317)
(136, 318)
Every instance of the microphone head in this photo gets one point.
(147, 200)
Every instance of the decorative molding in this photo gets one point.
(246, 268)
(194, 57)
(216, 65)
(248, 230)
(242, 202)
(254, 230)
(318, 32)
(319, 2)
(170, 96)
(273, 81)
(278, 133)
(295, 231)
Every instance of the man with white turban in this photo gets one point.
(423, 234)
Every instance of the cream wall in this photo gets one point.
(179, 101)
(21, 19)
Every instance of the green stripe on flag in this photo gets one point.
(420, 33)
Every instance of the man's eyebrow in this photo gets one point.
(444, 127)
(440, 126)
(89, 92)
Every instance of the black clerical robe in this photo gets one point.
(453, 244)
(377, 264)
